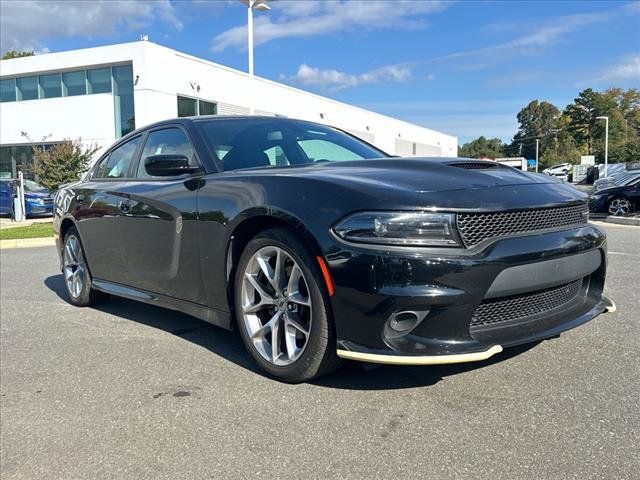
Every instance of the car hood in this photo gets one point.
(419, 175)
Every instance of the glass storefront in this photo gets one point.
(14, 157)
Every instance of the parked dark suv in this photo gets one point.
(318, 246)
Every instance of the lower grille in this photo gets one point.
(518, 307)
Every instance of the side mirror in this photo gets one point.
(169, 165)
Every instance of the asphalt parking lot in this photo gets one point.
(134, 391)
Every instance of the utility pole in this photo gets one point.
(537, 145)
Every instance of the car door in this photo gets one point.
(97, 205)
(160, 226)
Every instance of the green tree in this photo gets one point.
(17, 54)
(537, 121)
(482, 147)
(62, 162)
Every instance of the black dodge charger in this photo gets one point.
(319, 247)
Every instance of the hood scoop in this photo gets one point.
(475, 165)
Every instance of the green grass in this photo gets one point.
(37, 230)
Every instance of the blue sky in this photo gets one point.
(464, 67)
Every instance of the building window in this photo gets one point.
(50, 86)
(8, 90)
(187, 107)
(193, 107)
(207, 108)
(123, 98)
(99, 80)
(27, 88)
(74, 83)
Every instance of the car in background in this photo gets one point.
(37, 199)
(560, 170)
(317, 246)
(614, 180)
(619, 200)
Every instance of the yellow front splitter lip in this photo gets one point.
(419, 359)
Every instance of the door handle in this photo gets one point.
(80, 198)
(125, 206)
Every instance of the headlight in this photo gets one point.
(400, 228)
(37, 201)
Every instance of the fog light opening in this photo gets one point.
(404, 322)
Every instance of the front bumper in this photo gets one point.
(373, 285)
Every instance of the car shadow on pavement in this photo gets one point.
(352, 376)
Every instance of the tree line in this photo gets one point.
(566, 135)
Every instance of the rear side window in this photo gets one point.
(117, 164)
(168, 141)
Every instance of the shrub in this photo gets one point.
(61, 163)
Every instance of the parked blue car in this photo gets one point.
(38, 200)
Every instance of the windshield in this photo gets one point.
(31, 186)
(272, 142)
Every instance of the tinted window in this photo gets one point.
(74, 83)
(50, 86)
(27, 88)
(99, 80)
(8, 90)
(123, 83)
(117, 164)
(207, 108)
(272, 142)
(165, 142)
(187, 107)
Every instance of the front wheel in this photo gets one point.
(282, 308)
(620, 206)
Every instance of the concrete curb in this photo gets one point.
(27, 243)
(635, 221)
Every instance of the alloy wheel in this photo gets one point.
(75, 269)
(276, 305)
(620, 206)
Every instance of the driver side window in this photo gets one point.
(164, 142)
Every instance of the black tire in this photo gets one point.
(319, 355)
(88, 296)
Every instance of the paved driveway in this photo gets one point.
(133, 391)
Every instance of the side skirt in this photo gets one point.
(209, 315)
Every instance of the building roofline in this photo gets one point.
(150, 44)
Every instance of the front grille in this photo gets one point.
(518, 307)
(476, 227)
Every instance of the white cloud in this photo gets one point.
(547, 35)
(306, 18)
(25, 25)
(336, 80)
(627, 69)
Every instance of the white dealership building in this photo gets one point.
(99, 94)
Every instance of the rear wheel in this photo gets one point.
(282, 308)
(77, 278)
(620, 206)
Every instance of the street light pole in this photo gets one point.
(606, 142)
(251, 5)
(537, 144)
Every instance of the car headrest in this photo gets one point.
(245, 158)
